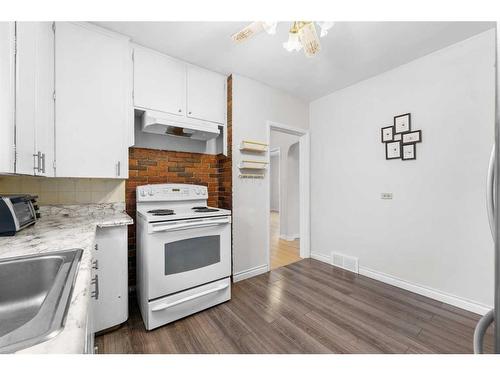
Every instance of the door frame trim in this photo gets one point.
(304, 186)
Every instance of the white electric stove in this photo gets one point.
(183, 252)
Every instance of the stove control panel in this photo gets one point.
(170, 192)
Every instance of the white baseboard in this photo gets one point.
(292, 237)
(250, 273)
(463, 303)
(450, 299)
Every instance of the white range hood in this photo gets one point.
(200, 131)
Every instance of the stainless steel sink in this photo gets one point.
(35, 292)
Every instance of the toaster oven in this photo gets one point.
(17, 212)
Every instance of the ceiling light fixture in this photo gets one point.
(302, 34)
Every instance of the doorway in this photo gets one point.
(288, 195)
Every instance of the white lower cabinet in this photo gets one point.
(109, 289)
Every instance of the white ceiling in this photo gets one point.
(351, 52)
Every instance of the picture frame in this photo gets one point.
(402, 123)
(408, 151)
(411, 137)
(393, 150)
(387, 134)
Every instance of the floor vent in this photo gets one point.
(346, 262)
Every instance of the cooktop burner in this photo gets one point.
(161, 212)
(204, 209)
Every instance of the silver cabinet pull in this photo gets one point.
(43, 162)
(118, 168)
(95, 282)
(180, 110)
(189, 112)
(36, 163)
(96, 247)
(95, 264)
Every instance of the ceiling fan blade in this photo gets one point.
(248, 32)
(309, 39)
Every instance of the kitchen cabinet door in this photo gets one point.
(92, 101)
(7, 95)
(110, 274)
(206, 95)
(159, 82)
(34, 98)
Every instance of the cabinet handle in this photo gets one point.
(95, 264)
(96, 247)
(189, 112)
(36, 166)
(95, 282)
(180, 110)
(118, 167)
(43, 162)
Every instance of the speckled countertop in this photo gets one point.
(62, 228)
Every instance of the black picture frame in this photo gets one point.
(382, 134)
(409, 123)
(403, 145)
(410, 132)
(387, 145)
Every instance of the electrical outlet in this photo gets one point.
(386, 196)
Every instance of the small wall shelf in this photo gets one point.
(253, 146)
(253, 164)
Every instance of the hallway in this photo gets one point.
(282, 252)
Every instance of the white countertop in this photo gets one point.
(63, 228)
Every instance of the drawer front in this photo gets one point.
(179, 305)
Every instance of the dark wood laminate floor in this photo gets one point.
(307, 307)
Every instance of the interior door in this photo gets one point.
(92, 99)
(159, 82)
(7, 93)
(34, 98)
(206, 95)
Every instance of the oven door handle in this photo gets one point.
(190, 298)
(164, 227)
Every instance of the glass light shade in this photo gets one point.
(293, 43)
(324, 26)
(309, 39)
(270, 27)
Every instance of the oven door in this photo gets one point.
(186, 253)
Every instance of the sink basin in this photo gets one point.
(35, 292)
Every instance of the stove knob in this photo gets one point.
(150, 192)
(197, 191)
(142, 193)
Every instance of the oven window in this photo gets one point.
(192, 253)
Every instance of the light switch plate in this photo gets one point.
(386, 196)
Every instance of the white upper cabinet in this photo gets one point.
(7, 95)
(34, 98)
(93, 101)
(206, 95)
(159, 82)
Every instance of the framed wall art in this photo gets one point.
(387, 134)
(393, 150)
(402, 123)
(412, 137)
(408, 151)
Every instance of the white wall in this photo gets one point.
(274, 175)
(253, 105)
(434, 233)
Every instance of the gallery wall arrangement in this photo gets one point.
(400, 140)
